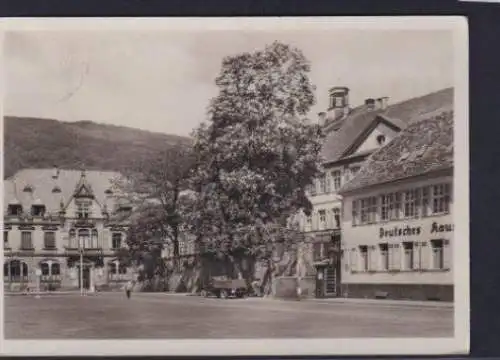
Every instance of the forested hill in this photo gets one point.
(43, 143)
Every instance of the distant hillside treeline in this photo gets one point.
(43, 143)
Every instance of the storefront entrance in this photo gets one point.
(85, 277)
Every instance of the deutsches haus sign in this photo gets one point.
(407, 230)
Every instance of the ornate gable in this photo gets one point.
(83, 189)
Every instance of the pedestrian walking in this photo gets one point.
(128, 288)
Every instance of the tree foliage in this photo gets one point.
(257, 154)
(157, 190)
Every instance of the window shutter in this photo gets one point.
(416, 255)
(346, 259)
(447, 255)
(425, 256)
(397, 257)
(354, 262)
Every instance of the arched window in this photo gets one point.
(45, 268)
(381, 139)
(95, 237)
(55, 269)
(15, 269)
(122, 268)
(84, 238)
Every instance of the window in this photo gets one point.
(322, 219)
(309, 223)
(437, 254)
(384, 257)
(5, 239)
(15, 209)
(336, 179)
(336, 217)
(317, 251)
(386, 207)
(441, 199)
(322, 184)
(26, 242)
(425, 201)
(83, 209)
(354, 170)
(116, 241)
(84, 238)
(363, 252)
(394, 257)
(355, 212)
(381, 139)
(45, 269)
(411, 203)
(112, 268)
(368, 210)
(312, 188)
(38, 210)
(328, 184)
(49, 240)
(55, 269)
(73, 243)
(408, 255)
(122, 268)
(15, 270)
(95, 238)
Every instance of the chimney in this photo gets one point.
(382, 102)
(370, 104)
(55, 173)
(321, 118)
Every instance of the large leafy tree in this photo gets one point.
(256, 155)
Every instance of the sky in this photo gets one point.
(162, 81)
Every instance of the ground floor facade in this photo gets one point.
(22, 272)
(398, 240)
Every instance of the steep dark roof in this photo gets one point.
(43, 183)
(425, 146)
(400, 114)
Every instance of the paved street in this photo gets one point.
(153, 316)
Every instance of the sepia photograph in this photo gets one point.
(251, 186)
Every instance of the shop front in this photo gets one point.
(398, 243)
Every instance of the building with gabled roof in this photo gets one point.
(53, 215)
(397, 227)
(352, 136)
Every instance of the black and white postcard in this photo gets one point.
(235, 186)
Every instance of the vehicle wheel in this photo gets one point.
(223, 294)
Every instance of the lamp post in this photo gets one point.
(81, 265)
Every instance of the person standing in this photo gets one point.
(128, 288)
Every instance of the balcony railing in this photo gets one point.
(50, 278)
(119, 277)
(15, 278)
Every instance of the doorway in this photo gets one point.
(327, 281)
(85, 277)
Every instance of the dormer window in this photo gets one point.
(38, 210)
(28, 189)
(381, 140)
(15, 209)
(56, 189)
